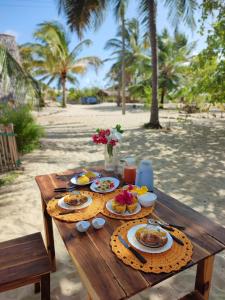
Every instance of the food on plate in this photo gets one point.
(91, 175)
(135, 189)
(83, 179)
(104, 185)
(151, 237)
(75, 199)
(125, 201)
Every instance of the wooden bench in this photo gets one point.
(24, 261)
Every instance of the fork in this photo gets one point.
(65, 189)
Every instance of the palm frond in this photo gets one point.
(82, 15)
(15, 79)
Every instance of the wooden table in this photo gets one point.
(104, 275)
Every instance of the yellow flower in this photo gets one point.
(140, 190)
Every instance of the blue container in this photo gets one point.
(144, 175)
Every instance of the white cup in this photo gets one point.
(82, 226)
(98, 223)
(147, 199)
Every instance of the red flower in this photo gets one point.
(113, 142)
(107, 132)
(102, 132)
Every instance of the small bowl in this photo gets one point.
(147, 199)
(82, 226)
(98, 223)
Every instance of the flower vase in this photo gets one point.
(111, 157)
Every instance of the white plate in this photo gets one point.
(134, 242)
(62, 204)
(127, 213)
(74, 179)
(116, 182)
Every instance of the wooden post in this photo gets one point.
(45, 287)
(204, 276)
(49, 238)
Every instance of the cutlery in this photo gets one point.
(155, 223)
(180, 242)
(162, 223)
(68, 212)
(137, 254)
(65, 189)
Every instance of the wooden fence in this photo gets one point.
(9, 158)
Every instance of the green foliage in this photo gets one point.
(51, 58)
(28, 132)
(74, 95)
(9, 178)
(13, 75)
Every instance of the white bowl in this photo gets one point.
(82, 226)
(147, 199)
(98, 223)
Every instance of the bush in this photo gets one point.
(28, 132)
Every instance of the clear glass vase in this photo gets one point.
(111, 157)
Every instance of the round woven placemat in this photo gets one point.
(81, 214)
(172, 260)
(145, 211)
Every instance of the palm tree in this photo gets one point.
(134, 54)
(13, 77)
(174, 53)
(52, 61)
(83, 14)
(120, 9)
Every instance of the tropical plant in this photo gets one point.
(173, 57)
(84, 14)
(136, 57)
(52, 60)
(15, 79)
(28, 132)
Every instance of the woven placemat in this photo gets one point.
(172, 260)
(145, 211)
(82, 214)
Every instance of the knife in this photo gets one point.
(137, 254)
(180, 242)
(67, 212)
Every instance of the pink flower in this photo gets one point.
(119, 198)
(124, 198)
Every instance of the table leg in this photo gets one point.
(89, 297)
(49, 235)
(204, 276)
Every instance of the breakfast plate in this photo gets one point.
(105, 185)
(62, 204)
(126, 213)
(75, 179)
(131, 236)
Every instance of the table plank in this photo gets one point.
(124, 279)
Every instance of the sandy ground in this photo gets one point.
(189, 164)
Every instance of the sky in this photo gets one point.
(20, 18)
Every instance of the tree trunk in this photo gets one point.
(154, 116)
(63, 90)
(118, 96)
(163, 92)
(123, 66)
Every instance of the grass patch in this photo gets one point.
(9, 178)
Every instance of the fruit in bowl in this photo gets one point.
(104, 185)
(125, 201)
(91, 175)
(83, 179)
